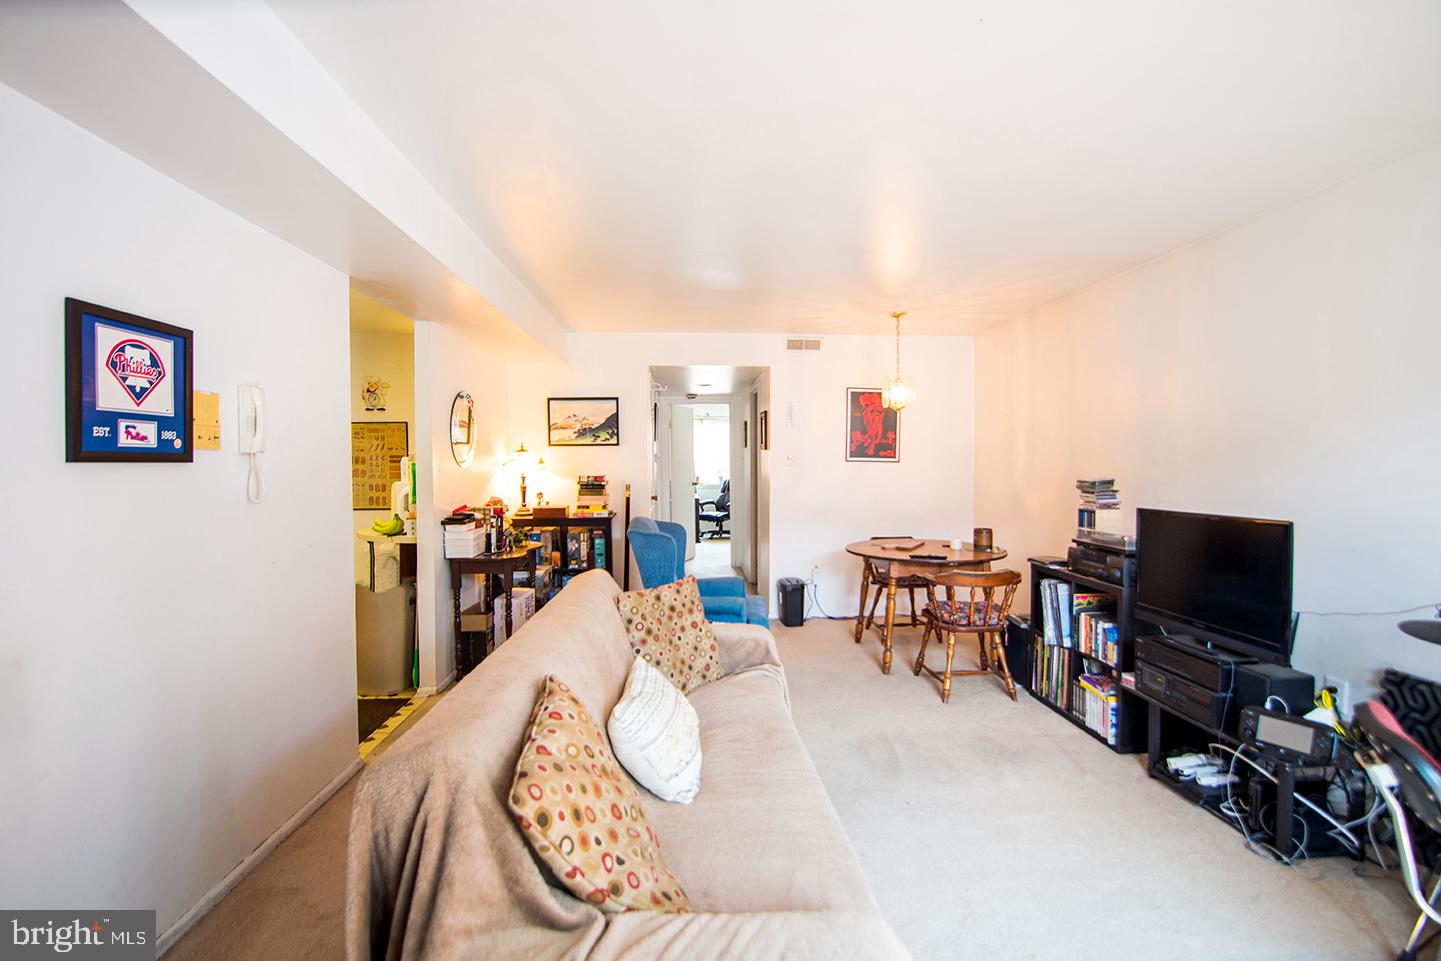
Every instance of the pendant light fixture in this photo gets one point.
(898, 392)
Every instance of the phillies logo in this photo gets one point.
(138, 368)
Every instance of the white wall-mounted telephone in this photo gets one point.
(251, 421)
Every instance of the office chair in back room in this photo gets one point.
(719, 514)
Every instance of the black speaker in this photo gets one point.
(792, 592)
(1254, 683)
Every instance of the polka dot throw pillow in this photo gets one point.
(666, 626)
(581, 814)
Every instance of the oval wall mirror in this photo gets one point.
(462, 429)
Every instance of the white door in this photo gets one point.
(682, 472)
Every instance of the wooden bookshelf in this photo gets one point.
(598, 527)
(1130, 724)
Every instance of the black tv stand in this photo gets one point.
(1169, 733)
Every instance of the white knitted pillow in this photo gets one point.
(655, 734)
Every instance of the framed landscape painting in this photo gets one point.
(873, 431)
(583, 421)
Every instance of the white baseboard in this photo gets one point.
(186, 921)
(428, 691)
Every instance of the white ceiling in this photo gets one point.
(649, 165)
(707, 380)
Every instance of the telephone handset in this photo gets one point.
(252, 419)
(252, 437)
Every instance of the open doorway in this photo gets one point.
(705, 475)
(711, 456)
(383, 444)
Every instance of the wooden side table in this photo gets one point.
(489, 565)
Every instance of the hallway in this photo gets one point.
(713, 559)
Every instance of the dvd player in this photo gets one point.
(1206, 708)
(1182, 656)
(1113, 566)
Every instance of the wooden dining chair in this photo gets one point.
(875, 577)
(974, 603)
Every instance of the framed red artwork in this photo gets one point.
(873, 431)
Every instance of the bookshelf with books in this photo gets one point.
(577, 542)
(1082, 634)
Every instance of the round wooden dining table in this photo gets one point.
(893, 558)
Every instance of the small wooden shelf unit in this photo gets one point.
(1130, 709)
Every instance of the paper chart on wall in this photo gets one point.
(375, 453)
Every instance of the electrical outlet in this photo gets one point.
(1343, 691)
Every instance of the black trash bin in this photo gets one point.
(793, 601)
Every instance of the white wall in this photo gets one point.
(177, 666)
(818, 502)
(448, 361)
(389, 355)
(1285, 369)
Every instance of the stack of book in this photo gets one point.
(1099, 638)
(463, 539)
(1051, 673)
(583, 550)
(1085, 622)
(1100, 502)
(1056, 629)
(1093, 700)
(591, 496)
(1095, 631)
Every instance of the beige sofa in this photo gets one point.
(439, 871)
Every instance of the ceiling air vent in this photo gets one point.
(803, 343)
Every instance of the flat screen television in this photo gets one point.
(1224, 580)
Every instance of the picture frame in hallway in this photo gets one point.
(764, 430)
(582, 421)
(873, 430)
(129, 382)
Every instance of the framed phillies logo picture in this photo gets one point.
(128, 383)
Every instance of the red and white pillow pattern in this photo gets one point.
(581, 814)
(667, 627)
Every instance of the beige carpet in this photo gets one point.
(714, 559)
(989, 830)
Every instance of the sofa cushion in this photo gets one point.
(724, 610)
(667, 626)
(655, 735)
(582, 816)
(756, 612)
(762, 834)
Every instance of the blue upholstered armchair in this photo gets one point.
(659, 548)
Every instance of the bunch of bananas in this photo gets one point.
(389, 528)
